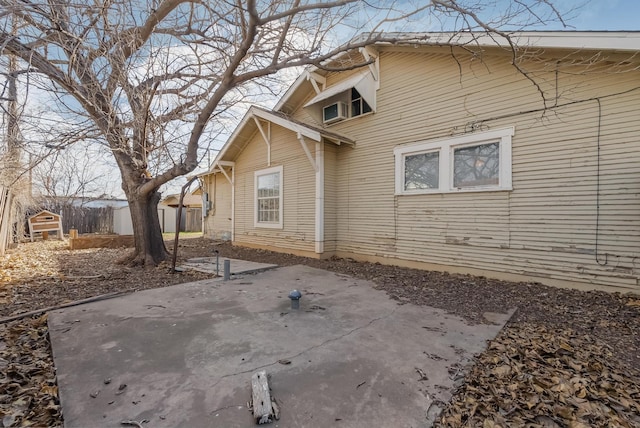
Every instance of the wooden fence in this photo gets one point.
(6, 220)
(85, 219)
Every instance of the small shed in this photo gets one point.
(45, 221)
(191, 217)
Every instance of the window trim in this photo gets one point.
(259, 173)
(446, 147)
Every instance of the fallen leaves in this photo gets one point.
(46, 273)
(559, 363)
(28, 389)
(549, 378)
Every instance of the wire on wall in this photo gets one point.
(606, 256)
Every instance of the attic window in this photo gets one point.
(351, 97)
(358, 104)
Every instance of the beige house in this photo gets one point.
(450, 158)
(191, 217)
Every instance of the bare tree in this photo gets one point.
(66, 173)
(156, 78)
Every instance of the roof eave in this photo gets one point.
(254, 111)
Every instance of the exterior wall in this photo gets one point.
(217, 223)
(298, 232)
(167, 216)
(122, 224)
(548, 226)
(331, 198)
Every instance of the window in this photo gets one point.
(467, 163)
(476, 165)
(358, 105)
(421, 171)
(268, 198)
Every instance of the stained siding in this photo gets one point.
(298, 230)
(548, 224)
(218, 219)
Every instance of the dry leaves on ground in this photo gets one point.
(46, 273)
(539, 377)
(28, 387)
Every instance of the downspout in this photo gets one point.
(204, 190)
(233, 204)
(319, 230)
(232, 181)
(318, 167)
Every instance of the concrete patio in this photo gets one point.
(349, 357)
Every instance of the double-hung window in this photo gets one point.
(268, 198)
(468, 163)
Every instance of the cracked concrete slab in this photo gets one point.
(237, 267)
(349, 357)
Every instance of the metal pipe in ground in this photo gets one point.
(227, 269)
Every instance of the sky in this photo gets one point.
(609, 15)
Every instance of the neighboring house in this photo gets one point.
(191, 218)
(449, 159)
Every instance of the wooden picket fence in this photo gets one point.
(6, 220)
(83, 219)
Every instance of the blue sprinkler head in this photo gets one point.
(295, 296)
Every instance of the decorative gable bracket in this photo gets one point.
(316, 79)
(369, 53)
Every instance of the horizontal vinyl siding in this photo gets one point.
(298, 192)
(546, 226)
(217, 223)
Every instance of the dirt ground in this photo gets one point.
(567, 358)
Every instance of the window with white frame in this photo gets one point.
(467, 163)
(268, 198)
(358, 104)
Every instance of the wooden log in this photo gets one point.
(73, 233)
(45, 235)
(261, 398)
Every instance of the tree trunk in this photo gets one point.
(150, 249)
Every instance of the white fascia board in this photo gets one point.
(617, 41)
(256, 112)
(292, 126)
(293, 88)
(592, 40)
(218, 159)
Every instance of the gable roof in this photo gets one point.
(190, 200)
(247, 127)
(45, 212)
(611, 41)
